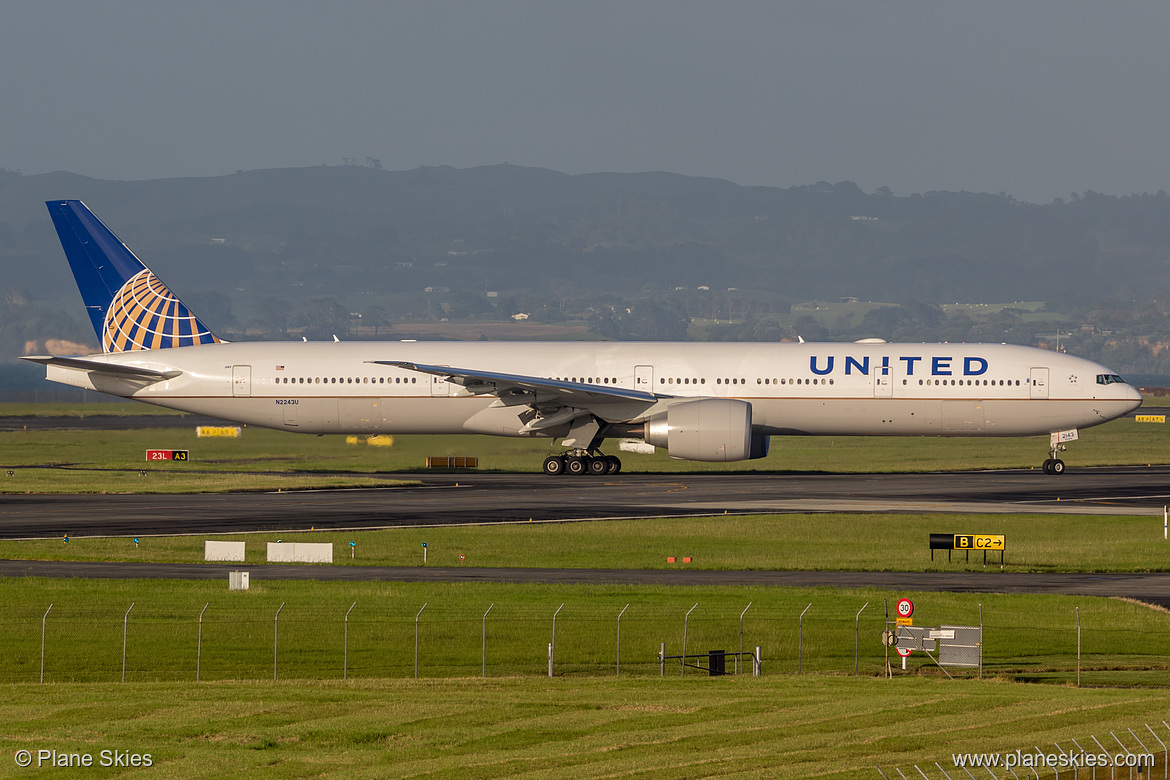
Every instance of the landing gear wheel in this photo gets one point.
(599, 466)
(1057, 466)
(612, 464)
(576, 465)
(1048, 466)
(554, 464)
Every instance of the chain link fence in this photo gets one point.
(380, 638)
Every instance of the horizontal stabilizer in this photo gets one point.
(102, 367)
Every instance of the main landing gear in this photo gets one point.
(580, 462)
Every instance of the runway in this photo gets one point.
(448, 499)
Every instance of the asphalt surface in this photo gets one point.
(495, 498)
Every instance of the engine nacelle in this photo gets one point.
(709, 429)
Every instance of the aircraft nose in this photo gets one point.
(1134, 396)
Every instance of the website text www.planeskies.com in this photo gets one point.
(1038, 760)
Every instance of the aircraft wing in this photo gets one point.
(530, 390)
(102, 367)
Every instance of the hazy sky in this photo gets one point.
(1036, 99)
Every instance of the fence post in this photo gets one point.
(1143, 744)
(662, 659)
(800, 639)
(857, 635)
(552, 646)
(345, 656)
(757, 663)
(424, 606)
(199, 642)
(619, 640)
(1165, 755)
(275, 638)
(741, 614)
(686, 624)
(981, 642)
(484, 656)
(125, 625)
(43, 620)
(1078, 611)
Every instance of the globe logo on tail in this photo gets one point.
(144, 314)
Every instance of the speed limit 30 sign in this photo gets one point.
(905, 608)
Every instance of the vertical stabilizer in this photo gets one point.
(129, 307)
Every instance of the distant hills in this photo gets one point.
(275, 252)
(338, 230)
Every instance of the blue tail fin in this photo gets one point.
(129, 307)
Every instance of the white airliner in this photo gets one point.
(701, 401)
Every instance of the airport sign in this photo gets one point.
(980, 542)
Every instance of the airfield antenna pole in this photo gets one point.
(484, 651)
(1078, 611)
(199, 642)
(345, 656)
(552, 646)
(857, 635)
(43, 620)
(125, 625)
(275, 638)
(619, 640)
(686, 623)
(416, 617)
(741, 614)
(800, 639)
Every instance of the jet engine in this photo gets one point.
(707, 429)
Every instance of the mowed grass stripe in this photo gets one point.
(782, 727)
(90, 454)
(803, 542)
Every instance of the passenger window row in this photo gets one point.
(345, 380)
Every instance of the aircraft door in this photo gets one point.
(1039, 383)
(644, 378)
(440, 387)
(241, 381)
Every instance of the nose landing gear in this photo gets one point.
(1056, 445)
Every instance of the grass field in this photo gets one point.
(724, 727)
(1028, 637)
(110, 460)
(586, 722)
(833, 542)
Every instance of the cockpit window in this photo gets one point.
(1109, 379)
